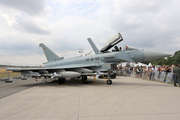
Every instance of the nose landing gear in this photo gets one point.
(109, 82)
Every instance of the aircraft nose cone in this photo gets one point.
(149, 55)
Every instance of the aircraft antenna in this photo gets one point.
(88, 53)
(81, 51)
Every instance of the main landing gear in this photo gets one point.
(84, 78)
(62, 81)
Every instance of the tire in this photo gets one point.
(84, 78)
(109, 82)
(63, 80)
(113, 76)
(60, 81)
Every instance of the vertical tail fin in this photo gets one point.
(50, 55)
(93, 46)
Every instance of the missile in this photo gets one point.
(70, 74)
(82, 70)
(55, 75)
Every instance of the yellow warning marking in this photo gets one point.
(94, 80)
(63, 84)
(94, 83)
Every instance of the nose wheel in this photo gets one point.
(109, 82)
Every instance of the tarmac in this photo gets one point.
(127, 98)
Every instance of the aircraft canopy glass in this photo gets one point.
(113, 41)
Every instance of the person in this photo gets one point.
(176, 72)
(140, 71)
(120, 49)
(153, 72)
(150, 73)
(144, 72)
(172, 67)
(131, 70)
(159, 70)
(137, 71)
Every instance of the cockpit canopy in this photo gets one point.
(126, 48)
(112, 42)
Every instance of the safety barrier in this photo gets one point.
(158, 76)
(5, 77)
(17, 76)
(169, 78)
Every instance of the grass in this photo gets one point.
(3, 72)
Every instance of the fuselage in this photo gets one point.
(102, 58)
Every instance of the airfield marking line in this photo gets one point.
(79, 103)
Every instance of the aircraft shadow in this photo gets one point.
(89, 82)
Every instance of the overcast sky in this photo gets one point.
(65, 25)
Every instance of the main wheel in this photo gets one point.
(109, 82)
(63, 80)
(113, 76)
(84, 78)
(60, 81)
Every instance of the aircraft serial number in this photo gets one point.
(92, 59)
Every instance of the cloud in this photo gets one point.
(150, 25)
(22, 47)
(31, 7)
(30, 25)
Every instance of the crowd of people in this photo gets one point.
(148, 72)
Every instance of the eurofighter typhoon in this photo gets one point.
(58, 68)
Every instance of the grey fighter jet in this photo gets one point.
(58, 68)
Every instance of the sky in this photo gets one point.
(65, 25)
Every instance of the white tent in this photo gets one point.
(150, 65)
(133, 64)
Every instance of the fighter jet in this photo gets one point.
(58, 68)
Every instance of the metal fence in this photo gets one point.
(5, 76)
(157, 76)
